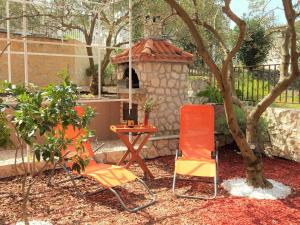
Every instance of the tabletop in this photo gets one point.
(134, 129)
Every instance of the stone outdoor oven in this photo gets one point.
(159, 70)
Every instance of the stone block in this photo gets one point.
(160, 91)
(139, 67)
(185, 69)
(171, 83)
(163, 83)
(164, 152)
(174, 92)
(162, 75)
(151, 90)
(155, 82)
(162, 107)
(168, 67)
(171, 119)
(162, 121)
(148, 67)
(168, 91)
(114, 156)
(150, 153)
(177, 68)
(162, 69)
(175, 75)
(100, 157)
(173, 144)
(172, 106)
(143, 77)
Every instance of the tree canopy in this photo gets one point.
(257, 44)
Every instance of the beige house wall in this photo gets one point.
(42, 70)
(107, 114)
(81, 64)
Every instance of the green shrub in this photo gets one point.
(109, 70)
(5, 131)
(212, 94)
(221, 122)
(262, 129)
(91, 71)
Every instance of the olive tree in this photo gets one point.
(253, 162)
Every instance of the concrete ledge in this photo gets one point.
(11, 170)
(110, 153)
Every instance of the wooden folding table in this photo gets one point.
(139, 132)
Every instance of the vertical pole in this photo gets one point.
(25, 43)
(99, 58)
(263, 82)
(24, 25)
(130, 61)
(8, 42)
(130, 55)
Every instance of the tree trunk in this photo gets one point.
(94, 84)
(254, 173)
(94, 80)
(94, 73)
(251, 131)
(104, 64)
(252, 159)
(24, 201)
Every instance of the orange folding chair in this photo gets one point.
(109, 176)
(199, 157)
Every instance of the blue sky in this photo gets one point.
(241, 6)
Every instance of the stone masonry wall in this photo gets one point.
(196, 84)
(284, 130)
(166, 84)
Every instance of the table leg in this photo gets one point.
(136, 157)
(122, 137)
(143, 166)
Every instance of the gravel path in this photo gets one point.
(60, 204)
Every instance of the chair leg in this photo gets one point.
(152, 200)
(71, 178)
(196, 197)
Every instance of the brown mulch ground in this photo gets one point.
(60, 204)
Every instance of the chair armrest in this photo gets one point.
(216, 151)
(219, 133)
(178, 153)
(99, 147)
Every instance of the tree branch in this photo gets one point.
(4, 49)
(216, 34)
(198, 39)
(285, 80)
(242, 27)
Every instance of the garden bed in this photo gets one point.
(60, 205)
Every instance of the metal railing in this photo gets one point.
(254, 83)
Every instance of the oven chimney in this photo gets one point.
(153, 27)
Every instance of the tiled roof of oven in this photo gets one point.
(154, 50)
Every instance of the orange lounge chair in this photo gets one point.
(197, 145)
(109, 176)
